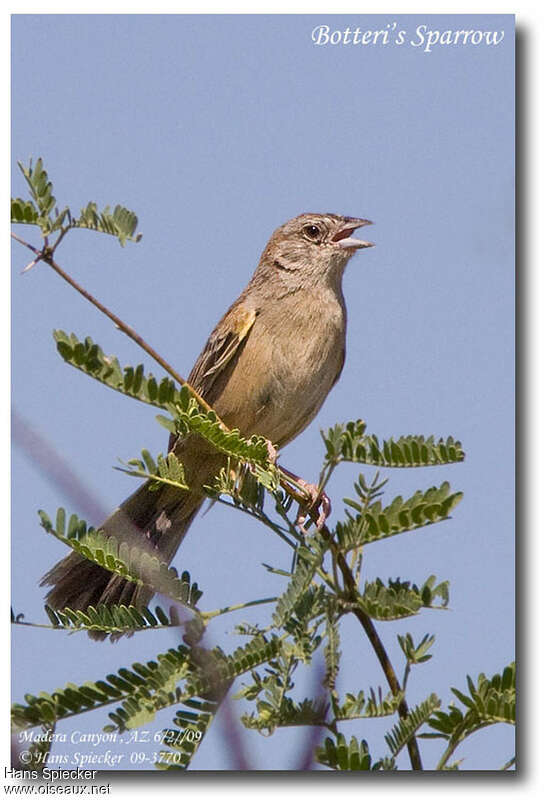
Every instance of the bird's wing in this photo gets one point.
(225, 341)
(223, 346)
(340, 365)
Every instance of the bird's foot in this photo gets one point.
(319, 501)
(272, 452)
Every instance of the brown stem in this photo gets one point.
(379, 649)
(389, 672)
(370, 630)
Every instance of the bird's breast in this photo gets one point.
(290, 362)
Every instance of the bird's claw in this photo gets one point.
(319, 501)
(271, 451)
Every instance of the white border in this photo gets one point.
(531, 405)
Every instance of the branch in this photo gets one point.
(383, 658)
(374, 639)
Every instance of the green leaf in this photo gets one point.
(401, 733)
(372, 705)
(296, 589)
(41, 191)
(373, 522)
(280, 711)
(187, 417)
(185, 739)
(350, 442)
(120, 222)
(89, 357)
(23, 211)
(131, 562)
(332, 649)
(190, 419)
(489, 701)
(338, 755)
(113, 619)
(419, 654)
(207, 674)
(400, 599)
(157, 676)
(165, 471)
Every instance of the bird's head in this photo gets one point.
(313, 247)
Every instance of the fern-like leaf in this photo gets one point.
(337, 754)
(185, 739)
(376, 522)
(24, 211)
(120, 222)
(332, 650)
(401, 733)
(89, 357)
(297, 587)
(208, 674)
(285, 714)
(489, 701)
(188, 418)
(159, 675)
(41, 211)
(132, 563)
(401, 599)
(166, 470)
(113, 619)
(416, 654)
(186, 415)
(350, 442)
(41, 191)
(374, 704)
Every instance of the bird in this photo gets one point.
(266, 369)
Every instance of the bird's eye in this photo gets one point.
(311, 231)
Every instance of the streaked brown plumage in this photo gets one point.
(267, 368)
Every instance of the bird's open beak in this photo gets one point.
(344, 237)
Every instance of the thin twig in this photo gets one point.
(237, 607)
(26, 244)
(130, 332)
(261, 517)
(383, 658)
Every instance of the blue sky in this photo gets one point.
(215, 130)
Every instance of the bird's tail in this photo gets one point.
(155, 520)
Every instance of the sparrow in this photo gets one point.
(266, 369)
